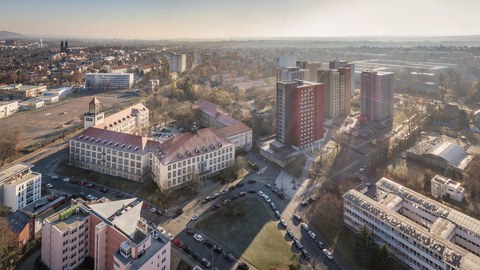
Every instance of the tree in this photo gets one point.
(9, 247)
(382, 259)
(364, 246)
(9, 141)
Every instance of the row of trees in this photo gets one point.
(368, 254)
(10, 139)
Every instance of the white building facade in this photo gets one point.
(104, 81)
(20, 186)
(178, 62)
(420, 232)
(8, 108)
(442, 186)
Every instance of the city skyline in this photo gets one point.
(232, 19)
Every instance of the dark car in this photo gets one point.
(218, 249)
(179, 211)
(188, 250)
(243, 266)
(197, 256)
(319, 243)
(216, 206)
(298, 244)
(229, 257)
(208, 244)
(252, 181)
(190, 231)
(281, 195)
(239, 185)
(104, 190)
(275, 190)
(290, 234)
(241, 194)
(305, 255)
(178, 242)
(252, 190)
(160, 212)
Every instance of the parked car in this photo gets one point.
(229, 257)
(188, 250)
(328, 253)
(319, 243)
(240, 184)
(194, 217)
(49, 185)
(252, 190)
(272, 205)
(89, 185)
(261, 193)
(281, 196)
(274, 190)
(177, 242)
(66, 179)
(312, 235)
(305, 226)
(51, 198)
(104, 190)
(160, 211)
(153, 209)
(198, 237)
(277, 214)
(217, 249)
(252, 181)
(197, 256)
(216, 195)
(179, 211)
(297, 217)
(298, 244)
(55, 177)
(243, 266)
(208, 244)
(170, 236)
(205, 262)
(161, 229)
(283, 223)
(267, 199)
(305, 254)
(216, 206)
(290, 234)
(304, 203)
(241, 194)
(226, 201)
(268, 186)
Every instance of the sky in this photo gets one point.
(227, 19)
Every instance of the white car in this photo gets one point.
(261, 193)
(328, 254)
(305, 226)
(49, 185)
(161, 229)
(55, 177)
(66, 179)
(194, 217)
(170, 236)
(153, 209)
(312, 235)
(267, 199)
(198, 237)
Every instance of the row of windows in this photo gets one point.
(201, 158)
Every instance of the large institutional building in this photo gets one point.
(112, 233)
(107, 81)
(419, 231)
(212, 115)
(376, 95)
(20, 186)
(173, 163)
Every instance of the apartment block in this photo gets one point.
(312, 68)
(420, 232)
(178, 62)
(376, 95)
(286, 61)
(108, 81)
(20, 186)
(336, 64)
(212, 115)
(443, 186)
(111, 232)
(8, 108)
(292, 74)
(299, 114)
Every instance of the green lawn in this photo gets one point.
(102, 179)
(247, 229)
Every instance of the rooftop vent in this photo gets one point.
(196, 150)
(86, 138)
(116, 144)
(219, 144)
(81, 136)
(92, 139)
(189, 153)
(212, 146)
(130, 147)
(104, 141)
(123, 145)
(136, 148)
(204, 148)
(98, 140)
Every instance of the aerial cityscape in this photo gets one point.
(180, 135)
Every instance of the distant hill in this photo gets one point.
(10, 35)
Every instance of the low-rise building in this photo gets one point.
(112, 233)
(212, 115)
(22, 92)
(31, 104)
(23, 226)
(107, 81)
(20, 186)
(443, 186)
(8, 108)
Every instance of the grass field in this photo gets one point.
(247, 229)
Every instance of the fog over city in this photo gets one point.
(228, 19)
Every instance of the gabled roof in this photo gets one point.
(17, 221)
(123, 115)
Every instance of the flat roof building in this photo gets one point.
(178, 62)
(443, 186)
(22, 92)
(20, 186)
(108, 81)
(376, 95)
(8, 108)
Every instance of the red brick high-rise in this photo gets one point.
(300, 114)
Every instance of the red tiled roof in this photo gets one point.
(219, 114)
(235, 129)
(187, 143)
(120, 67)
(116, 118)
(113, 139)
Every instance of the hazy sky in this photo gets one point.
(157, 19)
